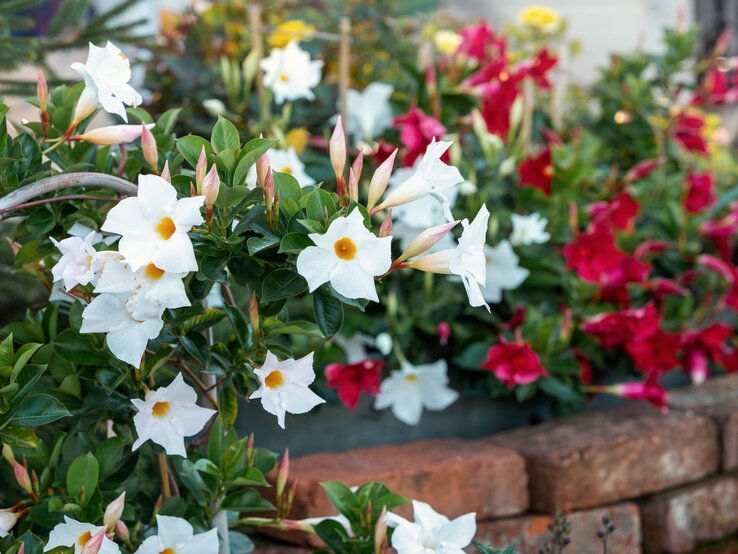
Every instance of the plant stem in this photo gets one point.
(33, 203)
(166, 490)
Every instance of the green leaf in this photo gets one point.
(22, 437)
(257, 244)
(292, 243)
(72, 346)
(249, 154)
(38, 409)
(31, 543)
(109, 455)
(287, 186)
(225, 136)
(248, 500)
(328, 312)
(82, 477)
(342, 498)
(558, 389)
(27, 378)
(21, 358)
(191, 146)
(317, 203)
(228, 406)
(6, 351)
(282, 283)
(166, 121)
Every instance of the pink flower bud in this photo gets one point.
(380, 533)
(379, 181)
(262, 168)
(8, 454)
(112, 134)
(94, 545)
(385, 230)
(353, 185)
(21, 475)
(211, 186)
(121, 531)
(42, 91)
(426, 240)
(200, 170)
(338, 149)
(165, 174)
(148, 146)
(282, 474)
(444, 332)
(358, 164)
(110, 432)
(114, 511)
(8, 520)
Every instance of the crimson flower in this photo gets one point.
(538, 68)
(717, 87)
(537, 171)
(642, 170)
(594, 253)
(497, 101)
(649, 390)
(417, 131)
(688, 133)
(353, 379)
(620, 212)
(700, 194)
(701, 345)
(617, 328)
(514, 363)
(656, 353)
(721, 231)
(477, 39)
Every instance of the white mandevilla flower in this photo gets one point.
(284, 161)
(285, 386)
(503, 271)
(168, 415)
(369, 112)
(154, 226)
(431, 532)
(106, 74)
(75, 534)
(408, 390)
(290, 73)
(348, 256)
(8, 519)
(79, 263)
(175, 535)
(128, 325)
(529, 229)
(432, 176)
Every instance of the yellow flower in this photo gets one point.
(297, 139)
(294, 29)
(540, 17)
(447, 42)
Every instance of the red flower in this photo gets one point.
(353, 379)
(477, 39)
(617, 328)
(538, 68)
(620, 212)
(594, 253)
(514, 363)
(586, 374)
(537, 171)
(699, 346)
(717, 87)
(497, 101)
(688, 133)
(721, 231)
(700, 193)
(615, 282)
(655, 353)
(642, 170)
(649, 390)
(417, 131)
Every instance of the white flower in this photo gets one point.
(284, 161)
(8, 519)
(468, 261)
(384, 343)
(175, 535)
(348, 255)
(503, 271)
(75, 534)
(106, 74)
(408, 390)
(214, 106)
(168, 415)
(154, 226)
(78, 264)
(129, 326)
(529, 229)
(432, 176)
(431, 532)
(369, 112)
(290, 73)
(285, 386)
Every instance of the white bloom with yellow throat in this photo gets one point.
(80, 263)
(410, 389)
(290, 73)
(285, 386)
(175, 535)
(169, 414)
(75, 534)
(529, 229)
(154, 226)
(348, 255)
(431, 532)
(503, 271)
(283, 161)
(369, 111)
(106, 73)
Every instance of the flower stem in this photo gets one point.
(166, 490)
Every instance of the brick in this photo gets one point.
(530, 533)
(454, 476)
(717, 398)
(676, 521)
(608, 456)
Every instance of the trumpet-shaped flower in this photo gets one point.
(112, 134)
(348, 256)
(290, 73)
(175, 535)
(79, 264)
(8, 519)
(431, 532)
(129, 326)
(154, 226)
(285, 386)
(168, 415)
(284, 161)
(529, 229)
(503, 271)
(408, 390)
(106, 74)
(369, 111)
(76, 534)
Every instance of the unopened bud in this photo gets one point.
(200, 170)
(121, 531)
(22, 477)
(8, 519)
(427, 239)
(114, 511)
(338, 149)
(109, 135)
(150, 151)
(380, 533)
(211, 186)
(385, 230)
(262, 168)
(358, 164)
(42, 91)
(8, 454)
(254, 312)
(353, 185)
(94, 545)
(282, 473)
(165, 174)
(379, 181)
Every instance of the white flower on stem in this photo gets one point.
(75, 534)
(175, 535)
(408, 390)
(128, 325)
(503, 271)
(284, 161)
(79, 264)
(112, 134)
(106, 74)
(290, 73)
(153, 226)
(8, 519)
(529, 229)
(348, 256)
(285, 386)
(369, 112)
(168, 415)
(431, 532)
(432, 176)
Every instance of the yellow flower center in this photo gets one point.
(83, 538)
(165, 227)
(284, 77)
(411, 378)
(153, 272)
(161, 409)
(274, 379)
(345, 248)
(287, 170)
(168, 551)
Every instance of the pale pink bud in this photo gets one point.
(358, 164)
(8, 520)
(42, 91)
(200, 170)
(211, 186)
(427, 239)
(8, 454)
(380, 532)
(353, 185)
(379, 181)
(165, 174)
(121, 531)
(148, 146)
(112, 134)
(21, 475)
(338, 149)
(110, 432)
(114, 511)
(22, 549)
(94, 545)
(385, 230)
(282, 473)
(262, 168)
(437, 262)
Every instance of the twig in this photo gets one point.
(202, 386)
(227, 293)
(166, 490)
(344, 63)
(33, 203)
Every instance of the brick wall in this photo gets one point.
(666, 481)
